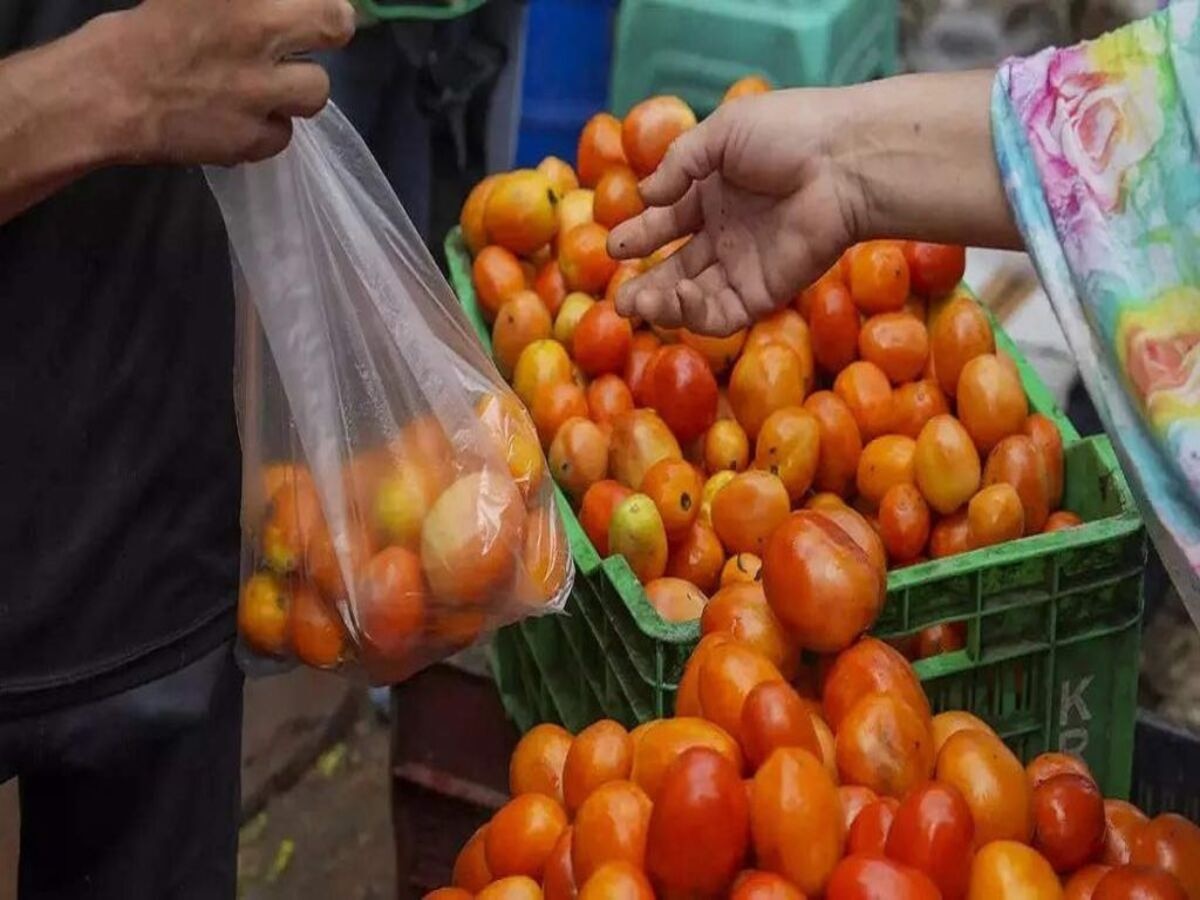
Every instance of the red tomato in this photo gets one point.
(753, 885)
(1139, 883)
(1082, 885)
(1122, 822)
(1068, 821)
(683, 390)
(869, 833)
(602, 340)
(934, 268)
(933, 831)
(833, 325)
(862, 877)
(1172, 843)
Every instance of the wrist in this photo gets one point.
(121, 121)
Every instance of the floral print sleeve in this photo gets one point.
(1097, 145)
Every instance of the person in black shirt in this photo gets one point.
(120, 705)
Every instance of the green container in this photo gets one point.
(696, 50)
(1053, 621)
(405, 10)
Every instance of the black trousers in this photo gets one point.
(135, 795)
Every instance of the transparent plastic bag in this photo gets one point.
(395, 501)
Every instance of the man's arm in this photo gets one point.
(174, 81)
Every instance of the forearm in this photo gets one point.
(919, 150)
(62, 114)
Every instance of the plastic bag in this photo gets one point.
(395, 503)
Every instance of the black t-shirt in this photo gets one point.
(119, 459)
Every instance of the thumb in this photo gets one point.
(692, 157)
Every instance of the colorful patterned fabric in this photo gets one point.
(1097, 145)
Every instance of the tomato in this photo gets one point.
(869, 833)
(754, 885)
(949, 536)
(674, 599)
(1046, 437)
(947, 724)
(553, 403)
(1045, 766)
(878, 276)
(578, 456)
(617, 197)
(904, 522)
(834, 323)
(617, 881)
(263, 614)
(994, 516)
(741, 568)
(596, 509)
(448, 894)
(550, 286)
(960, 332)
(915, 404)
(680, 385)
(697, 557)
(650, 128)
(600, 148)
(636, 532)
(471, 871)
(765, 378)
(712, 487)
(471, 217)
(868, 394)
(542, 362)
(1172, 843)
(775, 716)
(639, 440)
(1062, 520)
(787, 446)
(607, 397)
(945, 637)
(992, 781)
(700, 826)
(602, 340)
(674, 485)
(515, 887)
(868, 877)
(796, 819)
(886, 462)
(498, 277)
(574, 306)
(1016, 461)
(819, 582)
(1082, 884)
(522, 320)
(884, 744)
(1123, 821)
(727, 676)
(991, 402)
(897, 343)
(934, 268)
(839, 443)
(536, 765)
(522, 835)
(862, 531)
(870, 667)
(742, 611)
(315, 632)
(946, 464)
(558, 878)
(748, 509)
(726, 447)
(787, 327)
(601, 753)
(1008, 870)
(855, 798)
(719, 353)
(1139, 883)
(1068, 815)
(687, 692)
(933, 831)
(665, 739)
(642, 349)
(610, 826)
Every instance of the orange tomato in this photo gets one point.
(687, 692)
(748, 86)
(1045, 766)
(402, 502)
(933, 831)
(946, 464)
(947, 724)
(610, 826)
(727, 676)
(471, 217)
(1068, 821)
(522, 834)
(787, 446)
(934, 268)
(520, 214)
(1062, 520)
(700, 825)
(861, 531)
(584, 260)
(315, 633)
(915, 404)
(515, 887)
(1016, 461)
(869, 833)
(834, 322)
(719, 352)
(1172, 843)
(870, 667)
(741, 610)
(575, 208)
(599, 148)
(542, 362)
(960, 332)
(697, 558)
(675, 486)
(878, 277)
(839, 445)
(636, 532)
(897, 343)
(617, 197)
(642, 349)
(766, 378)
(607, 397)
(391, 601)
(578, 455)
(1046, 437)
(1122, 822)
(617, 881)
(945, 637)
(991, 402)
(949, 536)
(1141, 882)
(992, 781)
(754, 885)
(650, 128)
(1082, 885)
(536, 765)
(263, 614)
(886, 461)
(558, 879)
(682, 388)
(601, 753)
(602, 340)
(1009, 870)
(726, 447)
(796, 819)
(665, 739)
(471, 871)
(560, 174)
(747, 510)
(787, 327)
(545, 554)
(868, 394)
(596, 509)
(884, 744)
(498, 277)
(904, 522)
(741, 568)
(866, 877)
(554, 402)
(994, 516)
(775, 716)
(574, 306)
(819, 582)
(674, 599)
(639, 440)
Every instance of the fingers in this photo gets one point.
(657, 226)
(645, 291)
(302, 26)
(692, 157)
(275, 134)
(710, 306)
(298, 89)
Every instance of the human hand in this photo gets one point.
(219, 83)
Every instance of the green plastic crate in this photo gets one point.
(405, 10)
(696, 50)
(1053, 621)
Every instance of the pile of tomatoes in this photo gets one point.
(877, 401)
(856, 791)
